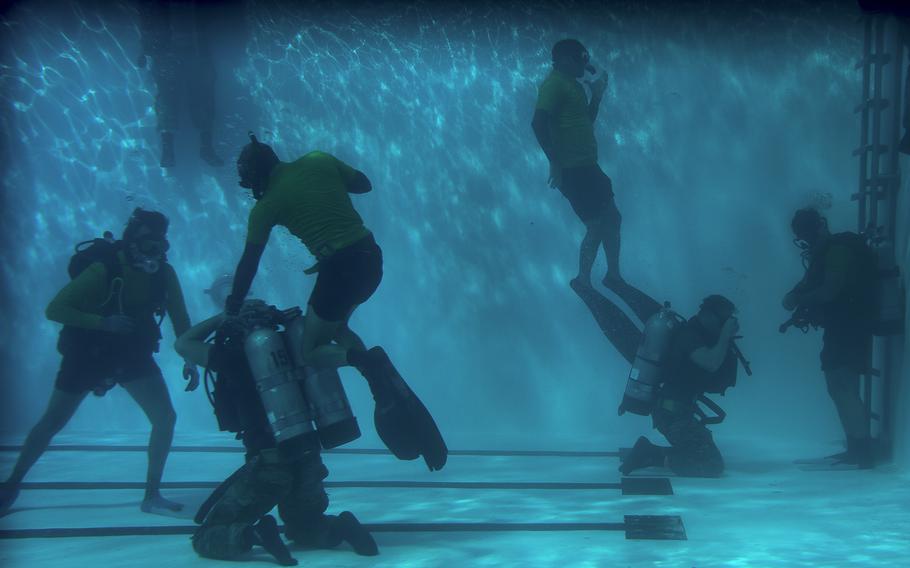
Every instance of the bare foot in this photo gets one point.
(157, 504)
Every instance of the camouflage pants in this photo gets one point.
(692, 452)
(269, 480)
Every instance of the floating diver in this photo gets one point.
(837, 293)
(675, 362)
(109, 337)
(175, 36)
(563, 124)
(285, 412)
(311, 198)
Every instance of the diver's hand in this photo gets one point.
(118, 324)
(555, 175)
(190, 374)
(599, 86)
(790, 302)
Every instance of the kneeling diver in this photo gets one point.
(676, 362)
(263, 393)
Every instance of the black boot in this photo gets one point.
(207, 150)
(167, 150)
(643, 454)
(265, 533)
(347, 528)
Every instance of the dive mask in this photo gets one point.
(147, 254)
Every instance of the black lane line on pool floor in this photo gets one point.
(628, 485)
(340, 451)
(635, 528)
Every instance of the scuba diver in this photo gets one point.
(262, 392)
(110, 334)
(176, 39)
(564, 126)
(675, 362)
(311, 198)
(837, 293)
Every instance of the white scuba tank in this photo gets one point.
(278, 382)
(335, 421)
(647, 372)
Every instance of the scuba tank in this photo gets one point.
(889, 294)
(335, 422)
(646, 376)
(277, 382)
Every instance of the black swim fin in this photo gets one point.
(403, 423)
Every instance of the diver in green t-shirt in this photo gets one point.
(564, 126)
(311, 198)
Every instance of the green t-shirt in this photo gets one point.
(570, 124)
(80, 303)
(309, 197)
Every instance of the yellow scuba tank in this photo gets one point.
(646, 374)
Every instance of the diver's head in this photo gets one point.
(571, 57)
(714, 312)
(220, 290)
(809, 228)
(254, 165)
(145, 240)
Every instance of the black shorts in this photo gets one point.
(84, 372)
(589, 191)
(846, 346)
(347, 279)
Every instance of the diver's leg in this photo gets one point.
(616, 325)
(165, 71)
(845, 353)
(587, 251)
(201, 97)
(228, 530)
(151, 394)
(60, 409)
(346, 279)
(318, 349)
(610, 234)
(693, 452)
(347, 338)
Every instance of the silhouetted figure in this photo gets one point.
(110, 333)
(564, 126)
(175, 38)
(700, 357)
(838, 294)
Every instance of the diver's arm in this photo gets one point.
(191, 344)
(594, 104)
(541, 126)
(243, 276)
(711, 358)
(597, 94)
(86, 289)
